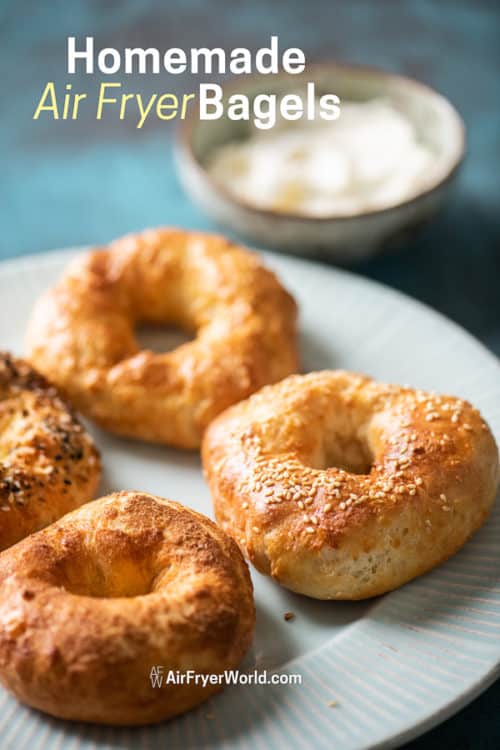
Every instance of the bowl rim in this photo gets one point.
(185, 132)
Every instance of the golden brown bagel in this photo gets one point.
(129, 582)
(343, 488)
(48, 463)
(81, 333)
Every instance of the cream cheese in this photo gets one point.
(368, 159)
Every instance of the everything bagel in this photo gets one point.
(81, 333)
(343, 488)
(48, 463)
(91, 604)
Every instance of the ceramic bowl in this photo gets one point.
(337, 237)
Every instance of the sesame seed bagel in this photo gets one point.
(92, 605)
(48, 463)
(81, 333)
(343, 488)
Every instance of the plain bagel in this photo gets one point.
(343, 488)
(81, 333)
(128, 583)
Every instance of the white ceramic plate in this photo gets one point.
(396, 665)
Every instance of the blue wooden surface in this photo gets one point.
(71, 183)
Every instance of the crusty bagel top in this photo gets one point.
(330, 459)
(89, 605)
(82, 332)
(128, 561)
(48, 463)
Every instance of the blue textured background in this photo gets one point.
(72, 183)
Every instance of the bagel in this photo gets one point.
(90, 605)
(343, 488)
(48, 463)
(81, 333)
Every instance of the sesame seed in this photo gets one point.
(327, 507)
(310, 529)
(442, 496)
(244, 506)
(256, 529)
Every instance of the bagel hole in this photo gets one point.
(161, 338)
(100, 584)
(122, 572)
(348, 454)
